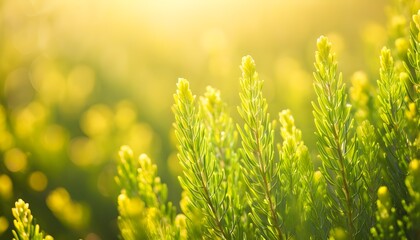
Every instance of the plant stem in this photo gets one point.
(345, 183)
(204, 184)
(267, 189)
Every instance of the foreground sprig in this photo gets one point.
(413, 88)
(301, 193)
(25, 224)
(391, 98)
(223, 140)
(336, 142)
(412, 204)
(260, 168)
(144, 212)
(203, 178)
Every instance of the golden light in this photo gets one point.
(15, 160)
(4, 224)
(38, 181)
(6, 187)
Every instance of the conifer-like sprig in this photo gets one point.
(296, 177)
(295, 161)
(413, 87)
(371, 168)
(222, 138)
(317, 206)
(391, 99)
(203, 178)
(26, 228)
(127, 172)
(413, 54)
(388, 226)
(220, 128)
(412, 205)
(336, 143)
(142, 204)
(260, 168)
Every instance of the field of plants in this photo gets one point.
(315, 135)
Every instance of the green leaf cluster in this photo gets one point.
(256, 179)
(144, 212)
(240, 182)
(25, 224)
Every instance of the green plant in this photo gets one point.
(367, 185)
(143, 211)
(338, 146)
(237, 186)
(25, 224)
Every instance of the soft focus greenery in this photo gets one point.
(247, 191)
(79, 79)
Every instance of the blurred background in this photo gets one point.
(78, 79)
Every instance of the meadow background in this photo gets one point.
(78, 79)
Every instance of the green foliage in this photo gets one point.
(204, 180)
(25, 224)
(413, 88)
(336, 142)
(412, 205)
(259, 166)
(301, 187)
(250, 192)
(391, 98)
(237, 186)
(388, 226)
(366, 186)
(142, 204)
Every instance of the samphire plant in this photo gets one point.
(240, 182)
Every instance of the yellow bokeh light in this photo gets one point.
(15, 160)
(80, 83)
(84, 152)
(6, 187)
(97, 120)
(71, 213)
(6, 140)
(58, 199)
(54, 138)
(29, 118)
(414, 167)
(48, 80)
(140, 137)
(4, 224)
(125, 114)
(38, 181)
